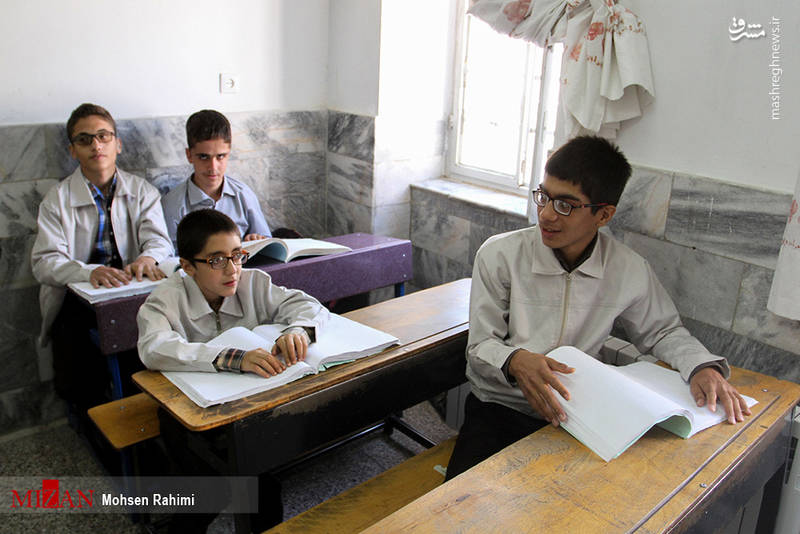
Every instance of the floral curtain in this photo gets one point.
(605, 74)
(784, 297)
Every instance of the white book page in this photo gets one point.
(607, 411)
(240, 337)
(340, 339)
(669, 383)
(311, 247)
(99, 294)
(207, 389)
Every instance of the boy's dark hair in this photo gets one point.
(196, 227)
(595, 164)
(87, 110)
(206, 125)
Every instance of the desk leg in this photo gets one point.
(400, 289)
(236, 462)
(116, 379)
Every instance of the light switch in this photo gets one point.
(228, 82)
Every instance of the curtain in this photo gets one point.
(605, 72)
(784, 297)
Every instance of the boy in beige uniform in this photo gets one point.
(186, 311)
(99, 225)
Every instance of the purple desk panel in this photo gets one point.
(374, 262)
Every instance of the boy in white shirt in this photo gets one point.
(100, 225)
(208, 137)
(183, 313)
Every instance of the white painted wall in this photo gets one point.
(416, 58)
(146, 58)
(711, 115)
(353, 56)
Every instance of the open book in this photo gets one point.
(134, 287)
(286, 250)
(612, 407)
(341, 340)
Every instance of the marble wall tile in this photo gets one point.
(156, 142)
(304, 213)
(745, 352)
(30, 405)
(19, 206)
(22, 153)
(704, 286)
(350, 178)
(393, 178)
(278, 132)
(430, 269)
(398, 139)
(255, 173)
(346, 216)
(392, 221)
(479, 205)
(15, 262)
(645, 202)
(297, 173)
(20, 313)
(56, 143)
(730, 220)
(752, 318)
(478, 236)
(351, 135)
(166, 178)
(434, 229)
(18, 354)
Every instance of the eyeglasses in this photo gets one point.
(221, 262)
(86, 139)
(561, 206)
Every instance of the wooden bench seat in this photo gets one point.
(127, 421)
(369, 502)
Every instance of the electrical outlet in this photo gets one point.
(228, 82)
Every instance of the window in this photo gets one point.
(505, 105)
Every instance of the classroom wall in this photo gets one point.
(149, 58)
(712, 115)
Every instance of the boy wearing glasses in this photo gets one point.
(185, 312)
(99, 225)
(208, 136)
(561, 282)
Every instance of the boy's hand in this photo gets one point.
(253, 237)
(262, 363)
(709, 387)
(534, 374)
(108, 277)
(292, 346)
(144, 266)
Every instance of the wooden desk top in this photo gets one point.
(419, 320)
(550, 482)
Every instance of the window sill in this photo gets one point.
(479, 196)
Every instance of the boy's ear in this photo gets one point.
(605, 214)
(188, 155)
(187, 266)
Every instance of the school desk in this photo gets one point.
(549, 482)
(306, 414)
(374, 262)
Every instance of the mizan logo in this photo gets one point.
(50, 497)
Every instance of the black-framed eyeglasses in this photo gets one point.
(86, 139)
(221, 262)
(561, 206)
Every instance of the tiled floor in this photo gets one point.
(58, 451)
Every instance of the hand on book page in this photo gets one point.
(708, 387)
(293, 347)
(262, 363)
(535, 374)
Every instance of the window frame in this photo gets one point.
(532, 154)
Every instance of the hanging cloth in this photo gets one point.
(605, 71)
(784, 296)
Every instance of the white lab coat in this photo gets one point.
(68, 223)
(523, 298)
